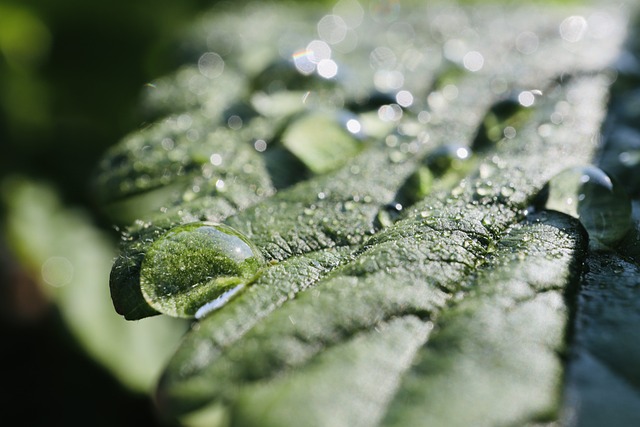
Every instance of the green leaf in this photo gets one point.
(603, 376)
(489, 349)
(70, 259)
(403, 270)
(502, 341)
(399, 289)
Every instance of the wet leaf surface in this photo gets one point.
(403, 285)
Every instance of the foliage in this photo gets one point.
(372, 188)
(393, 279)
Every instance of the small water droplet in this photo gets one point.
(404, 98)
(473, 61)
(503, 119)
(211, 65)
(235, 122)
(194, 264)
(507, 191)
(589, 194)
(527, 42)
(397, 157)
(389, 214)
(57, 271)
(573, 28)
(484, 188)
(618, 268)
(390, 113)
(260, 145)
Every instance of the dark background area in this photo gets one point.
(70, 76)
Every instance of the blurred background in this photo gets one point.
(71, 72)
(71, 76)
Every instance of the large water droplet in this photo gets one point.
(507, 114)
(589, 194)
(195, 264)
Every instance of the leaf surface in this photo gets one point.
(398, 291)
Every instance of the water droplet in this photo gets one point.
(390, 113)
(297, 74)
(484, 188)
(384, 10)
(211, 65)
(389, 214)
(507, 191)
(235, 122)
(618, 268)
(527, 98)
(473, 61)
(332, 29)
(57, 271)
(404, 98)
(260, 145)
(589, 194)
(527, 42)
(195, 264)
(573, 28)
(327, 68)
(503, 119)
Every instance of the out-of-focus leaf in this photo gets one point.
(71, 259)
(604, 376)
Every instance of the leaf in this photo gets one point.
(397, 291)
(603, 376)
(496, 345)
(70, 259)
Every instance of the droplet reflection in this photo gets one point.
(193, 264)
(589, 194)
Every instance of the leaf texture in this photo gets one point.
(380, 305)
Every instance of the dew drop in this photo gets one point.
(195, 264)
(260, 145)
(589, 194)
(573, 28)
(389, 214)
(503, 119)
(211, 65)
(57, 271)
(527, 42)
(473, 61)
